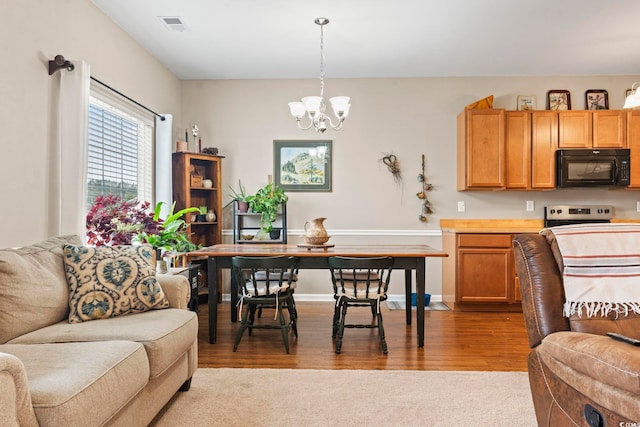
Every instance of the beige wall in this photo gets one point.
(32, 33)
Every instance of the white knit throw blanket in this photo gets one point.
(601, 268)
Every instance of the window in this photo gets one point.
(120, 151)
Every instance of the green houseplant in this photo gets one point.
(241, 197)
(267, 201)
(172, 234)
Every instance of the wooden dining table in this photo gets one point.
(406, 257)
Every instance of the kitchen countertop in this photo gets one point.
(491, 225)
(500, 225)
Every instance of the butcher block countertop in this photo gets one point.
(500, 225)
(491, 225)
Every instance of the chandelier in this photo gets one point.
(314, 106)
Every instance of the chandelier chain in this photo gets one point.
(322, 60)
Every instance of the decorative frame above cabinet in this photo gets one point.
(558, 100)
(596, 99)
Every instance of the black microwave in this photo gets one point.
(593, 168)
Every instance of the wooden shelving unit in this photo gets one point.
(189, 192)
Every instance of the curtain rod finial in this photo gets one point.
(59, 63)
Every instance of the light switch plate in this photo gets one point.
(530, 206)
(461, 206)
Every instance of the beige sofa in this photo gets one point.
(115, 371)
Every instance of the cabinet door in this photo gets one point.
(481, 149)
(609, 129)
(574, 129)
(485, 272)
(633, 140)
(484, 275)
(544, 143)
(518, 149)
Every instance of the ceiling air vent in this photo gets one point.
(174, 23)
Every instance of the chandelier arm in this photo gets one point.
(337, 126)
(311, 124)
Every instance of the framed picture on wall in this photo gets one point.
(302, 165)
(558, 99)
(526, 102)
(596, 99)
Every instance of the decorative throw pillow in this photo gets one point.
(110, 281)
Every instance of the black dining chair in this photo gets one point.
(359, 282)
(265, 281)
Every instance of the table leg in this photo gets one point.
(212, 273)
(234, 296)
(420, 286)
(407, 294)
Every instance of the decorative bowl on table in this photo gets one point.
(315, 240)
(247, 237)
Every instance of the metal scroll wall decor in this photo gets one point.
(426, 208)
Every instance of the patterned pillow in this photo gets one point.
(110, 281)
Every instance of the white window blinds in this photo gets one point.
(120, 148)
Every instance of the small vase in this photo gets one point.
(211, 216)
(161, 267)
(274, 234)
(243, 206)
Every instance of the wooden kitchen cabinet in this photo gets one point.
(574, 129)
(518, 150)
(481, 149)
(544, 143)
(479, 274)
(531, 141)
(633, 139)
(609, 129)
(591, 129)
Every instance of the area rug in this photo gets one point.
(310, 397)
(400, 305)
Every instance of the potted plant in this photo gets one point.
(241, 197)
(267, 201)
(113, 221)
(172, 235)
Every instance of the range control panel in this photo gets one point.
(578, 212)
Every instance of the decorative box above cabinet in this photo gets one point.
(197, 182)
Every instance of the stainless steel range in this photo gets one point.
(556, 215)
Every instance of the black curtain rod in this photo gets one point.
(125, 96)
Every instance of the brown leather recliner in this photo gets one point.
(578, 375)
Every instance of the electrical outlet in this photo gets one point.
(638, 206)
(461, 206)
(530, 206)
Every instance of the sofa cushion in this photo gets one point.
(81, 384)
(165, 334)
(33, 287)
(599, 357)
(110, 281)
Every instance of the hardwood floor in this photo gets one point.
(453, 341)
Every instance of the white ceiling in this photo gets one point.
(266, 39)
